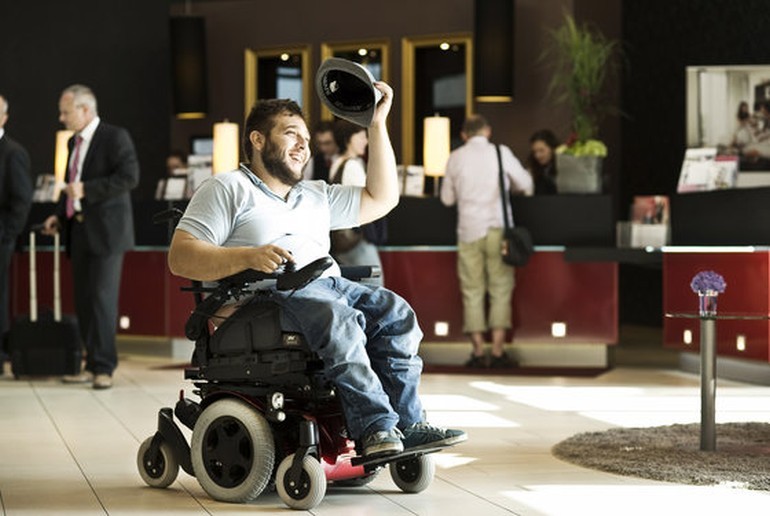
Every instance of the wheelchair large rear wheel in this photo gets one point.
(157, 470)
(232, 451)
(413, 475)
(311, 488)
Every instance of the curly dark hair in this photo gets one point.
(262, 119)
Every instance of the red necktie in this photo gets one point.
(73, 174)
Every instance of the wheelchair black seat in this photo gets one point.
(237, 286)
(250, 345)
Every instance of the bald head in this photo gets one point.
(476, 125)
(77, 107)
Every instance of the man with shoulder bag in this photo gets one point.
(474, 183)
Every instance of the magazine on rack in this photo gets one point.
(703, 170)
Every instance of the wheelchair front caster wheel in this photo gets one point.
(414, 474)
(311, 488)
(159, 469)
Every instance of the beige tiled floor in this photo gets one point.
(69, 450)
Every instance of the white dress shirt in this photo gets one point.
(87, 134)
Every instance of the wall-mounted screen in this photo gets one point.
(728, 108)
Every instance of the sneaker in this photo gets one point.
(383, 443)
(425, 435)
(502, 362)
(477, 362)
(84, 377)
(102, 381)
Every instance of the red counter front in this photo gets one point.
(747, 274)
(583, 295)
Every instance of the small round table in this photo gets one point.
(708, 365)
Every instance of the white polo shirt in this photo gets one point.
(237, 209)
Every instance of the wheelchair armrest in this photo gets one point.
(288, 279)
(234, 286)
(293, 280)
(359, 272)
(170, 215)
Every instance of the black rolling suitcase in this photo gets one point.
(44, 344)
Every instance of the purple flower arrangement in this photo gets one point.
(708, 281)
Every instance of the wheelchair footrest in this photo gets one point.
(404, 455)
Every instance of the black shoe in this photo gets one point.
(502, 362)
(424, 435)
(476, 362)
(379, 444)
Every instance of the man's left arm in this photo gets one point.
(123, 173)
(380, 195)
(19, 187)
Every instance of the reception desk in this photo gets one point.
(582, 296)
(558, 304)
(725, 231)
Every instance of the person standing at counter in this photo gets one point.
(472, 183)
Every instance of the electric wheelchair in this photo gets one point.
(267, 416)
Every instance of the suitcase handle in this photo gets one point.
(56, 279)
(33, 277)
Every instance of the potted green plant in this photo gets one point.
(582, 59)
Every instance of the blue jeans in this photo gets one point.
(367, 338)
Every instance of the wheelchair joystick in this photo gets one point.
(297, 279)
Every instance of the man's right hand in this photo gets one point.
(51, 226)
(268, 258)
(197, 259)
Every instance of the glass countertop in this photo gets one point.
(741, 316)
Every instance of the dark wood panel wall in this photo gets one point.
(233, 25)
(120, 49)
(662, 38)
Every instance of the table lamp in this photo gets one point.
(225, 155)
(436, 148)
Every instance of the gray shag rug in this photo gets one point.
(672, 454)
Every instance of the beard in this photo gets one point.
(272, 159)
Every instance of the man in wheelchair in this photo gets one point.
(263, 217)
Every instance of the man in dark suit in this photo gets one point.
(15, 200)
(95, 213)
